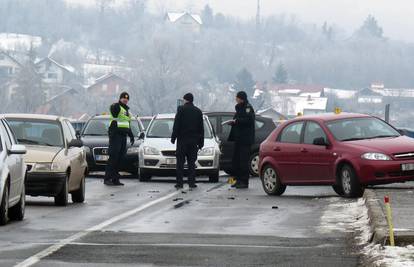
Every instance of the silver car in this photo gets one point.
(12, 176)
(157, 154)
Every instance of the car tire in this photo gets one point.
(4, 205)
(254, 164)
(338, 189)
(78, 196)
(144, 177)
(62, 198)
(349, 183)
(17, 212)
(271, 182)
(214, 177)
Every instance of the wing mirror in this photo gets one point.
(17, 150)
(320, 141)
(142, 135)
(78, 134)
(75, 143)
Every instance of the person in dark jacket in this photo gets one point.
(242, 133)
(188, 130)
(119, 129)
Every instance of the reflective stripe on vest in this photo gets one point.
(123, 120)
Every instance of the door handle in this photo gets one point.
(304, 150)
(276, 148)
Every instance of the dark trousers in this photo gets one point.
(240, 163)
(186, 151)
(117, 151)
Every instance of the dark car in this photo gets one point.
(264, 126)
(78, 125)
(95, 138)
(345, 151)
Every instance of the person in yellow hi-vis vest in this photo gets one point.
(119, 129)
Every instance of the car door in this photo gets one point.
(316, 160)
(287, 151)
(223, 134)
(13, 162)
(73, 155)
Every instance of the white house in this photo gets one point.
(53, 72)
(8, 66)
(185, 21)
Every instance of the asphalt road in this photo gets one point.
(151, 224)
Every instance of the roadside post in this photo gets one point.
(389, 219)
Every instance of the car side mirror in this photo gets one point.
(17, 150)
(142, 135)
(75, 143)
(320, 141)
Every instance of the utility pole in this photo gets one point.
(258, 15)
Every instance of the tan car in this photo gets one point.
(56, 160)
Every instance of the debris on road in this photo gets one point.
(177, 199)
(231, 198)
(275, 207)
(154, 191)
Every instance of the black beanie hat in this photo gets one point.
(124, 95)
(189, 97)
(242, 95)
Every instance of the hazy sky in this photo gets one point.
(395, 16)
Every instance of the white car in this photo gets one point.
(12, 176)
(157, 153)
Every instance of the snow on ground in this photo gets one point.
(353, 217)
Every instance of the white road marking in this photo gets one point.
(52, 249)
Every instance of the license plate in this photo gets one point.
(171, 161)
(407, 167)
(101, 158)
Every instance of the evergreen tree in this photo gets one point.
(370, 28)
(207, 16)
(281, 74)
(244, 82)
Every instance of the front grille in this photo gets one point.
(168, 166)
(168, 153)
(403, 156)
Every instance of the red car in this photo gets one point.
(346, 151)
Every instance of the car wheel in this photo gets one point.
(144, 177)
(4, 206)
(349, 183)
(62, 198)
(338, 189)
(271, 182)
(17, 212)
(254, 164)
(78, 196)
(214, 178)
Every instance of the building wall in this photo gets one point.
(109, 87)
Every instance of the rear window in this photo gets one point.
(162, 128)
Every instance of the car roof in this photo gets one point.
(106, 117)
(168, 116)
(330, 117)
(218, 113)
(33, 116)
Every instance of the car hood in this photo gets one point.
(41, 153)
(165, 143)
(394, 145)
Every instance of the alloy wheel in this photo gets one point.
(269, 179)
(346, 181)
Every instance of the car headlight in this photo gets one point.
(151, 151)
(47, 167)
(133, 150)
(208, 151)
(375, 156)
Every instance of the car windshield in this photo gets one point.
(360, 129)
(162, 128)
(99, 127)
(37, 132)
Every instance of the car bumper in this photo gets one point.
(162, 166)
(384, 172)
(44, 184)
(129, 164)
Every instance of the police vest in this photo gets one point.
(123, 120)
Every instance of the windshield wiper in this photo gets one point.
(353, 139)
(27, 141)
(382, 136)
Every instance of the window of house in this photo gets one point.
(52, 75)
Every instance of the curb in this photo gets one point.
(378, 222)
(377, 218)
